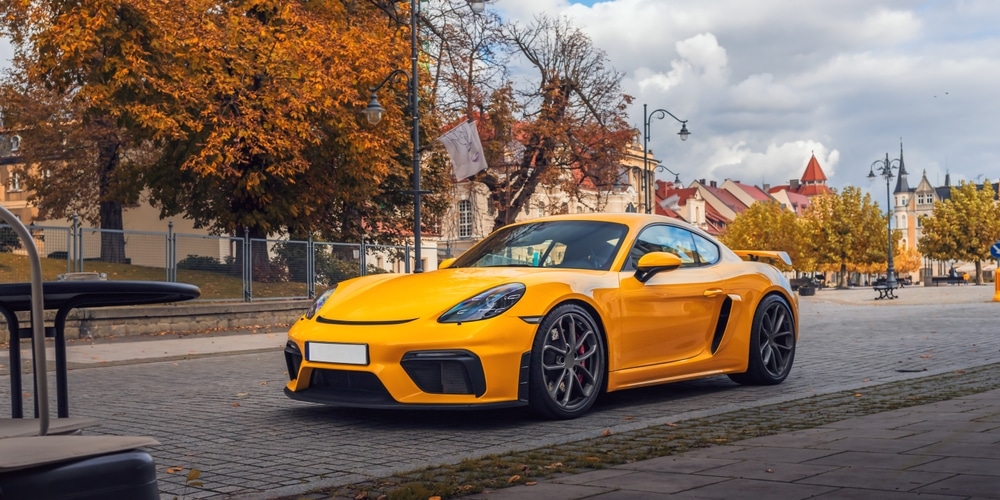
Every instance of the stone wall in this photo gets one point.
(185, 317)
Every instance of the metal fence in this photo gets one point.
(224, 267)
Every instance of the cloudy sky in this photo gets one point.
(766, 83)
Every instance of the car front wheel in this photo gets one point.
(772, 344)
(568, 364)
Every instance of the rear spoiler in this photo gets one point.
(756, 255)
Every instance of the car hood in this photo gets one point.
(394, 297)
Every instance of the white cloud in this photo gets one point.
(765, 84)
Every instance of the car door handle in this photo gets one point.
(713, 292)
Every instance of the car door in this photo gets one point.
(672, 316)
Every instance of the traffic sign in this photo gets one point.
(995, 250)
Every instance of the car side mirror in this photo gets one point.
(446, 263)
(655, 262)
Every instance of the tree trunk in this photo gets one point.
(110, 212)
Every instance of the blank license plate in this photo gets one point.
(348, 354)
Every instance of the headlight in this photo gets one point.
(318, 304)
(492, 302)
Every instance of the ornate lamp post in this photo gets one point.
(374, 113)
(646, 172)
(885, 170)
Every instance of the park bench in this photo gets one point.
(949, 280)
(884, 291)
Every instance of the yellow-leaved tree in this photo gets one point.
(963, 227)
(845, 232)
(768, 226)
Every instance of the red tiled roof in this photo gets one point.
(813, 173)
(754, 191)
(813, 189)
(726, 197)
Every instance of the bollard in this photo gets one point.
(996, 288)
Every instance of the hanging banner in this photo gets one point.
(465, 150)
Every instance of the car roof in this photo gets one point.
(633, 220)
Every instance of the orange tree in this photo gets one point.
(75, 94)
(245, 112)
(963, 227)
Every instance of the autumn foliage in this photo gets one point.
(240, 115)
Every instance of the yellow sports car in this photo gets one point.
(550, 313)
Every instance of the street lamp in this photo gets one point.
(647, 173)
(373, 113)
(885, 170)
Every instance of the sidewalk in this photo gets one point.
(151, 348)
(950, 448)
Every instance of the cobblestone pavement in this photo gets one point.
(226, 416)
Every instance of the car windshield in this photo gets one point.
(572, 244)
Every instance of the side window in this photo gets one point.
(675, 240)
(708, 252)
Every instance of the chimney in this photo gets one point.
(793, 184)
(766, 188)
(701, 181)
(712, 183)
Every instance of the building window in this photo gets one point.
(15, 182)
(464, 219)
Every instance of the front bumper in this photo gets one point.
(478, 364)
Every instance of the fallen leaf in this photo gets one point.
(241, 394)
(194, 474)
(435, 497)
(606, 433)
(592, 459)
(234, 405)
(554, 465)
(171, 470)
(263, 383)
(769, 471)
(857, 394)
(513, 479)
(530, 483)
(671, 424)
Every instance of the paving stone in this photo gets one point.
(875, 479)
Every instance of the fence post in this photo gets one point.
(310, 268)
(171, 272)
(406, 258)
(247, 267)
(361, 256)
(77, 253)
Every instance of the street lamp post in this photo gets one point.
(884, 169)
(374, 113)
(647, 176)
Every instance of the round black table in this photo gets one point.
(63, 296)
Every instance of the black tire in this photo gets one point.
(772, 344)
(568, 364)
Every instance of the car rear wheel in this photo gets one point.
(568, 364)
(772, 344)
